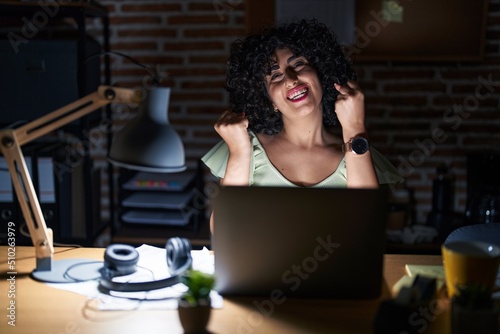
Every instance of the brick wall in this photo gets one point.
(419, 114)
(423, 114)
(189, 42)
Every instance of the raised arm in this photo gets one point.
(350, 109)
(232, 128)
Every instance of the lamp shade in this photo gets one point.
(148, 142)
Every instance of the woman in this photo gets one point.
(288, 87)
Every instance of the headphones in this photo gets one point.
(120, 259)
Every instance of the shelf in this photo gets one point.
(152, 208)
(158, 236)
(75, 214)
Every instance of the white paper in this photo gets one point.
(152, 265)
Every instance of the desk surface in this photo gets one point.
(43, 309)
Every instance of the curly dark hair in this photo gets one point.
(250, 61)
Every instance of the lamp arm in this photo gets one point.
(11, 141)
(41, 236)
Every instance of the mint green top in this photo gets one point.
(263, 172)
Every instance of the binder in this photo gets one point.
(158, 200)
(165, 218)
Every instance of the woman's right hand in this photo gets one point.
(232, 127)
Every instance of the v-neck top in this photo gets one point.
(264, 173)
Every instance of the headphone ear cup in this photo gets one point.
(178, 255)
(120, 259)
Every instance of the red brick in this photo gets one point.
(414, 114)
(199, 72)
(195, 122)
(188, 96)
(471, 74)
(463, 88)
(159, 59)
(196, 19)
(209, 59)
(218, 5)
(410, 100)
(129, 71)
(164, 7)
(134, 45)
(221, 32)
(118, 20)
(481, 142)
(415, 87)
(143, 33)
(404, 74)
(468, 100)
(208, 110)
(203, 84)
(200, 46)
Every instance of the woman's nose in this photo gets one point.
(290, 77)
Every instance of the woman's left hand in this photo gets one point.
(350, 109)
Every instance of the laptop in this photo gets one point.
(280, 242)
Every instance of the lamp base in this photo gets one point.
(70, 271)
(142, 168)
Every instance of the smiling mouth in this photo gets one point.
(297, 94)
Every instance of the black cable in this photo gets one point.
(68, 276)
(154, 74)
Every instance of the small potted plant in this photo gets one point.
(474, 311)
(194, 305)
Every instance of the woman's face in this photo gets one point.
(293, 84)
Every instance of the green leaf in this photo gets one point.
(199, 285)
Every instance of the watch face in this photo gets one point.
(359, 145)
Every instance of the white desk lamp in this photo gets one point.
(148, 143)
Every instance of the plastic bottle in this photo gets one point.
(441, 215)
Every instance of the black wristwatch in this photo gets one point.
(357, 145)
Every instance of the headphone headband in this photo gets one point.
(122, 259)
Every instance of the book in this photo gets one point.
(159, 181)
(431, 271)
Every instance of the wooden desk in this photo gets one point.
(43, 309)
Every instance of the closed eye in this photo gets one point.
(298, 65)
(275, 76)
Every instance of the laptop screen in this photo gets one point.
(301, 242)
